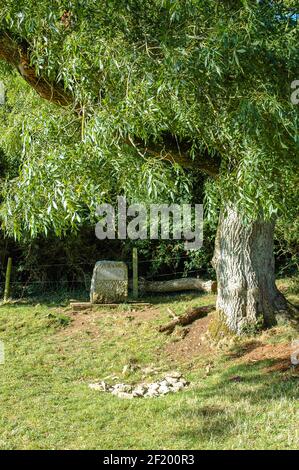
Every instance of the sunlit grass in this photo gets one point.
(51, 358)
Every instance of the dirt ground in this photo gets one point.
(188, 343)
(193, 344)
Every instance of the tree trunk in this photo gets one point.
(244, 263)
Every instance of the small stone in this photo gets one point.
(153, 390)
(101, 386)
(163, 390)
(163, 383)
(153, 386)
(122, 388)
(178, 386)
(184, 382)
(171, 380)
(139, 391)
(151, 394)
(174, 375)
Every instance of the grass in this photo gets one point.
(52, 356)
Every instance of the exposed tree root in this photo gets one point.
(189, 317)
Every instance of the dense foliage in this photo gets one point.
(212, 77)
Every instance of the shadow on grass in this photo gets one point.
(240, 389)
(244, 348)
(57, 299)
(174, 297)
(256, 384)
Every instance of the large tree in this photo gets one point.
(204, 85)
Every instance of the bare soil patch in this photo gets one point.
(193, 344)
(278, 354)
(88, 320)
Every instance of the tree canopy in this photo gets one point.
(203, 84)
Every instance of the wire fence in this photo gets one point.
(85, 263)
(27, 283)
(83, 282)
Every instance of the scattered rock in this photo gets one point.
(164, 388)
(176, 387)
(101, 386)
(139, 391)
(173, 382)
(121, 388)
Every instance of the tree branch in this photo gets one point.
(16, 53)
(172, 153)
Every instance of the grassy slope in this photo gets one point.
(46, 403)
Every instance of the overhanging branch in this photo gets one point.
(16, 53)
(180, 156)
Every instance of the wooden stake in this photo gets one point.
(135, 273)
(7, 280)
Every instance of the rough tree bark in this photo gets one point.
(244, 264)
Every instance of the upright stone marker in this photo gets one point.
(109, 282)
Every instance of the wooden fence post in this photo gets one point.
(135, 273)
(7, 280)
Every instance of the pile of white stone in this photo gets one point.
(171, 383)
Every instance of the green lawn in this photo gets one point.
(52, 355)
